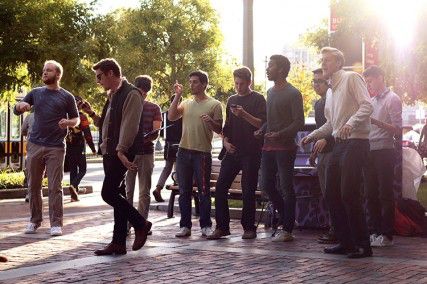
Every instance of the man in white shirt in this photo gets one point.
(347, 110)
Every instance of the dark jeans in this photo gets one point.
(76, 164)
(189, 163)
(343, 192)
(114, 193)
(280, 163)
(379, 174)
(230, 167)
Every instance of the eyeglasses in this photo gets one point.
(318, 81)
(99, 76)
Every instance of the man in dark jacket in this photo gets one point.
(118, 133)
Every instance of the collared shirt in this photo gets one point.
(348, 103)
(388, 109)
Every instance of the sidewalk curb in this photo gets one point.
(13, 193)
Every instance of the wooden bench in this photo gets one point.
(235, 191)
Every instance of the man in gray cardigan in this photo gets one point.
(347, 110)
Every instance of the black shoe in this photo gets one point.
(157, 195)
(361, 253)
(74, 194)
(141, 236)
(338, 249)
(112, 249)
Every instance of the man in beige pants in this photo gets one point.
(54, 110)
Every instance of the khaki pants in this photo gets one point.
(51, 158)
(145, 165)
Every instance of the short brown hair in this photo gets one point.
(373, 71)
(108, 64)
(144, 82)
(243, 73)
(202, 75)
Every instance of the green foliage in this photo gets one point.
(317, 36)
(11, 179)
(301, 79)
(167, 40)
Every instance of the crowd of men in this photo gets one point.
(356, 117)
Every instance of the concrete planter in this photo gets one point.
(12, 193)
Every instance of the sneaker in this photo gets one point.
(382, 241)
(282, 236)
(31, 228)
(217, 234)
(373, 238)
(183, 232)
(206, 231)
(55, 231)
(247, 235)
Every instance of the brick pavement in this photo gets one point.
(40, 258)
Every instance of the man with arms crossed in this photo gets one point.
(386, 121)
(54, 110)
(347, 112)
(201, 116)
(245, 114)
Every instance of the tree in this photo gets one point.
(301, 79)
(34, 31)
(168, 39)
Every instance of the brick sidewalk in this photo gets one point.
(40, 258)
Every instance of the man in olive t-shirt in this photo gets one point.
(201, 117)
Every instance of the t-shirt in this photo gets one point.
(150, 112)
(50, 106)
(285, 115)
(239, 132)
(195, 133)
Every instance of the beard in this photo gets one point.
(49, 81)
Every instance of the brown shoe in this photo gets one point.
(3, 258)
(112, 249)
(141, 236)
(247, 235)
(74, 194)
(157, 195)
(218, 234)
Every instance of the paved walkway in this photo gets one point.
(88, 225)
(40, 258)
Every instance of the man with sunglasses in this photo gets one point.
(118, 134)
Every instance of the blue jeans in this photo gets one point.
(280, 164)
(191, 163)
(344, 192)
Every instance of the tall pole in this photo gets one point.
(248, 35)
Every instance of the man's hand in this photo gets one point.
(23, 107)
(178, 89)
(128, 164)
(312, 159)
(63, 123)
(319, 146)
(86, 107)
(237, 110)
(206, 118)
(306, 140)
(345, 131)
(229, 147)
(258, 133)
(271, 135)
